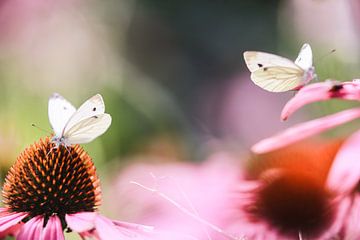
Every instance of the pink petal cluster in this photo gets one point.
(308, 94)
(87, 224)
(220, 193)
(327, 200)
(202, 189)
(344, 175)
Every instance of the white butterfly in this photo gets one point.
(278, 74)
(73, 126)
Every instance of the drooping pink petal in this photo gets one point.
(9, 219)
(32, 229)
(107, 229)
(342, 206)
(133, 226)
(320, 92)
(352, 222)
(81, 222)
(53, 229)
(144, 232)
(344, 174)
(304, 130)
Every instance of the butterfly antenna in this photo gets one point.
(318, 59)
(42, 129)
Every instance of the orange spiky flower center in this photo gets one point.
(47, 181)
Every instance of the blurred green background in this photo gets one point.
(171, 72)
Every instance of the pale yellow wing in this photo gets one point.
(256, 60)
(278, 79)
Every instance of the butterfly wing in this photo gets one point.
(305, 57)
(92, 107)
(59, 111)
(256, 60)
(278, 79)
(88, 129)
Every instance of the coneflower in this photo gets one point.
(295, 196)
(48, 191)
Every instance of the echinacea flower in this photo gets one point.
(297, 195)
(344, 176)
(48, 191)
(308, 94)
(285, 194)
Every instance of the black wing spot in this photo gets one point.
(95, 117)
(65, 108)
(260, 65)
(265, 69)
(94, 109)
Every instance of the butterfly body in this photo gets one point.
(73, 126)
(278, 74)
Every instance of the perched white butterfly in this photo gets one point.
(73, 126)
(278, 74)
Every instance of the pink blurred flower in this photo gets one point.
(343, 181)
(50, 190)
(308, 94)
(203, 189)
(281, 194)
(343, 198)
(300, 196)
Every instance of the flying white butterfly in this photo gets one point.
(278, 74)
(73, 126)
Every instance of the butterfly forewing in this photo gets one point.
(278, 79)
(59, 112)
(256, 60)
(92, 107)
(305, 59)
(88, 129)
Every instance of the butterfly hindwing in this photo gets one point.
(59, 111)
(278, 79)
(91, 107)
(88, 129)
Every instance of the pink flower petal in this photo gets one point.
(134, 226)
(304, 130)
(10, 219)
(352, 230)
(53, 229)
(32, 229)
(106, 229)
(342, 207)
(81, 222)
(320, 92)
(344, 174)
(4, 210)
